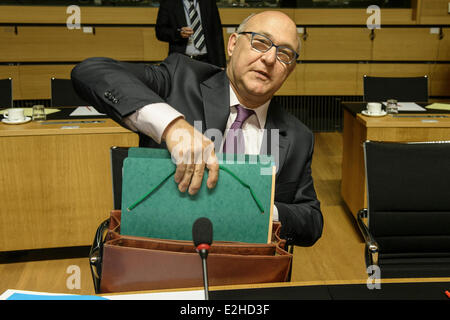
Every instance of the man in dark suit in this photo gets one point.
(164, 103)
(177, 24)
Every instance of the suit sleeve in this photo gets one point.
(302, 220)
(119, 88)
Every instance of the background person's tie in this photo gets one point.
(234, 141)
(196, 25)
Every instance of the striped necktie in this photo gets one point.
(234, 141)
(196, 25)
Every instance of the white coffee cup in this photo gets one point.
(374, 108)
(15, 114)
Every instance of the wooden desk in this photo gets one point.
(359, 128)
(55, 183)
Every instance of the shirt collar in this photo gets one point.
(261, 111)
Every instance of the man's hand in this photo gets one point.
(191, 151)
(186, 32)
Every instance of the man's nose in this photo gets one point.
(270, 56)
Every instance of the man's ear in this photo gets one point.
(232, 43)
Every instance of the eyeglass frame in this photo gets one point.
(273, 45)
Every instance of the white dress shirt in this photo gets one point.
(153, 119)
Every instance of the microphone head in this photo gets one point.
(202, 231)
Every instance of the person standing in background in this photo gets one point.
(193, 28)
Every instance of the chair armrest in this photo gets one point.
(371, 243)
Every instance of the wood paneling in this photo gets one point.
(350, 16)
(433, 12)
(328, 44)
(327, 79)
(336, 44)
(145, 15)
(440, 80)
(34, 80)
(56, 183)
(13, 73)
(89, 15)
(61, 44)
(444, 46)
(154, 50)
(405, 44)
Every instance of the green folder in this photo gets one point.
(239, 207)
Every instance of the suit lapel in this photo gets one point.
(270, 145)
(216, 103)
(216, 106)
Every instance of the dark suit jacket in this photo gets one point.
(200, 91)
(171, 17)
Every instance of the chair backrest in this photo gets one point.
(118, 154)
(412, 89)
(64, 95)
(6, 97)
(408, 189)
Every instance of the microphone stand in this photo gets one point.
(204, 254)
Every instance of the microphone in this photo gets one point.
(202, 235)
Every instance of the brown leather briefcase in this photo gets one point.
(126, 263)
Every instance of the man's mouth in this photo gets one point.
(264, 74)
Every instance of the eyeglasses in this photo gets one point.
(262, 43)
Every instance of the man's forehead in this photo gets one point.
(277, 28)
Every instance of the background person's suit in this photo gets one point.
(171, 18)
(200, 91)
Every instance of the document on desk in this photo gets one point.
(12, 294)
(408, 106)
(86, 111)
(439, 106)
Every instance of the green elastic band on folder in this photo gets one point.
(258, 203)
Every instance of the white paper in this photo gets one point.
(12, 294)
(173, 295)
(86, 111)
(408, 106)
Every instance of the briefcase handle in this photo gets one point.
(96, 254)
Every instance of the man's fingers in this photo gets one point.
(191, 152)
(213, 175)
(197, 178)
(212, 164)
(187, 177)
(179, 172)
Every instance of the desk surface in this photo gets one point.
(386, 291)
(404, 119)
(356, 107)
(389, 289)
(59, 127)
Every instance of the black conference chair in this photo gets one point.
(6, 97)
(118, 154)
(378, 89)
(64, 95)
(406, 225)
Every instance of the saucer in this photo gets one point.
(27, 119)
(366, 113)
